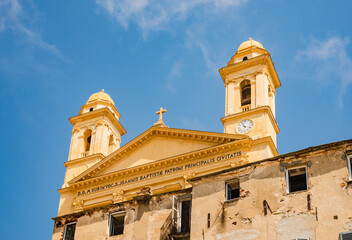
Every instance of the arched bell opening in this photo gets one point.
(245, 93)
(87, 140)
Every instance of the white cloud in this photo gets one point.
(12, 18)
(171, 16)
(329, 61)
(156, 15)
(175, 72)
(196, 39)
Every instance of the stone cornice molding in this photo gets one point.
(101, 112)
(246, 51)
(239, 79)
(251, 112)
(88, 177)
(100, 101)
(261, 60)
(267, 140)
(84, 159)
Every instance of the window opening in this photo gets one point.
(117, 223)
(245, 58)
(70, 230)
(232, 189)
(88, 138)
(185, 216)
(296, 179)
(346, 236)
(181, 215)
(91, 110)
(349, 162)
(88, 143)
(245, 93)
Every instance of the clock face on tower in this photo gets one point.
(245, 126)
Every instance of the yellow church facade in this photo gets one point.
(170, 183)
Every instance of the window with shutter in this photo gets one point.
(181, 214)
(349, 164)
(346, 236)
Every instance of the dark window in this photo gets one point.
(245, 58)
(297, 179)
(346, 236)
(70, 231)
(185, 216)
(88, 143)
(87, 139)
(246, 95)
(91, 110)
(232, 189)
(117, 222)
(349, 162)
(181, 214)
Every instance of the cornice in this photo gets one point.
(300, 154)
(243, 52)
(65, 190)
(95, 102)
(251, 112)
(83, 159)
(98, 113)
(263, 59)
(267, 140)
(159, 131)
(88, 176)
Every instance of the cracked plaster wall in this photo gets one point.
(330, 192)
(244, 218)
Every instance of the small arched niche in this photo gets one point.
(87, 139)
(245, 92)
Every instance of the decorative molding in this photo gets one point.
(156, 131)
(77, 205)
(103, 113)
(252, 111)
(263, 60)
(118, 196)
(89, 177)
(75, 129)
(189, 175)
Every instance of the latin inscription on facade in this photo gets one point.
(163, 172)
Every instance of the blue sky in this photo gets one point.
(147, 54)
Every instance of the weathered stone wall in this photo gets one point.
(240, 219)
(244, 218)
(144, 220)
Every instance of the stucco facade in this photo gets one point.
(170, 183)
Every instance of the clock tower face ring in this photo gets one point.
(244, 126)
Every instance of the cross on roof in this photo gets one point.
(160, 113)
(160, 122)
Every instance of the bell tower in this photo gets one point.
(96, 133)
(250, 81)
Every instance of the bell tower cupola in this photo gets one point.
(96, 133)
(250, 81)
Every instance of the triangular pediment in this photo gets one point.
(153, 145)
